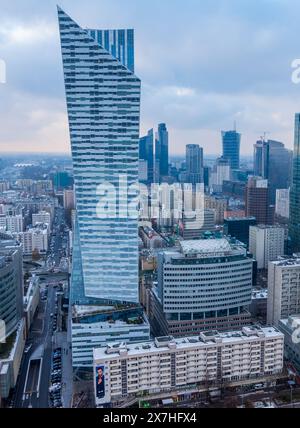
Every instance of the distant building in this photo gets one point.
(192, 226)
(269, 158)
(146, 156)
(168, 366)
(35, 239)
(12, 223)
(221, 173)
(62, 180)
(218, 205)
(283, 289)
(266, 243)
(257, 201)
(239, 228)
(203, 285)
(69, 200)
(161, 153)
(295, 192)
(231, 148)
(194, 164)
(41, 217)
(283, 203)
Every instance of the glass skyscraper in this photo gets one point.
(294, 229)
(147, 154)
(103, 101)
(231, 148)
(194, 164)
(162, 152)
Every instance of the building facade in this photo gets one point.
(204, 285)
(168, 365)
(266, 243)
(239, 228)
(283, 289)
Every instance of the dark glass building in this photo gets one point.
(270, 157)
(231, 148)
(294, 228)
(147, 154)
(239, 228)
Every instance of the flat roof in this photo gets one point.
(206, 246)
(203, 340)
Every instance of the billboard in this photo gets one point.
(100, 382)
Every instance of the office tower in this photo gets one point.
(270, 157)
(161, 153)
(283, 203)
(194, 290)
(294, 228)
(221, 173)
(231, 148)
(283, 289)
(147, 155)
(194, 164)
(266, 243)
(257, 201)
(239, 228)
(103, 98)
(168, 367)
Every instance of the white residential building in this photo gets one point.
(12, 223)
(167, 365)
(266, 243)
(41, 217)
(35, 239)
(283, 289)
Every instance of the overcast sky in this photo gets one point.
(203, 64)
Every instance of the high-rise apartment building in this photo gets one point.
(103, 99)
(282, 209)
(221, 173)
(231, 148)
(294, 228)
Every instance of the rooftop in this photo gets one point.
(208, 247)
(205, 339)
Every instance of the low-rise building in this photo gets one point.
(123, 372)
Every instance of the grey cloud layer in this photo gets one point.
(203, 65)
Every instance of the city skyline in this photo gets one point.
(188, 91)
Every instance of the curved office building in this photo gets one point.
(206, 284)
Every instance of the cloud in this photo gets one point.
(203, 65)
